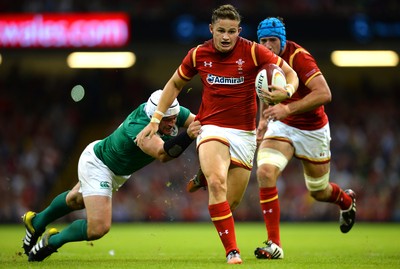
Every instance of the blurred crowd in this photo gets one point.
(41, 127)
(168, 8)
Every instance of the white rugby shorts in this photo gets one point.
(312, 145)
(242, 144)
(95, 177)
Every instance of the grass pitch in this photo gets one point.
(197, 245)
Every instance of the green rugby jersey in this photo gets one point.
(120, 153)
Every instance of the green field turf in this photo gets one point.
(196, 245)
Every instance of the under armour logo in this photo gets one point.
(209, 64)
(224, 232)
(267, 211)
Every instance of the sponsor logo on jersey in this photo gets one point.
(211, 79)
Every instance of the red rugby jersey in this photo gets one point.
(306, 68)
(229, 97)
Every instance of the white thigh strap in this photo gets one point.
(271, 156)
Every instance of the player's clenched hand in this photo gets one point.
(276, 112)
(146, 133)
(276, 94)
(194, 129)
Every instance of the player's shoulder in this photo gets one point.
(203, 48)
(138, 115)
(246, 42)
(291, 43)
(184, 111)
(297, 53)
(294, 48)
(208, 44)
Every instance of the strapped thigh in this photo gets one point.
(271, 156)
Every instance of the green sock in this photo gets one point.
(76, 231)
(57, 209)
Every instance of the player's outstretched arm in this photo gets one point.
(173, 148)
(147, 133)
(170, 92)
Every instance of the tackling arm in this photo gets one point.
(170, 92)
(154, 148)
(173, 148)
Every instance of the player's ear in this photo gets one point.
(239, 29)
(210, 26)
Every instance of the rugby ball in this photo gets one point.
(270, 74)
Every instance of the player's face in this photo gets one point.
(167, 125)
(272, 43)
(225, 33)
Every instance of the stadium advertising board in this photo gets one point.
(64, 30)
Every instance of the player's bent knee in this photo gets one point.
(317, 184)
(98, 231)
(264, 173)
(216, 186)
(75, 200)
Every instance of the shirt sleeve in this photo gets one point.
(187, 70)
(265, 56)
(305, 65)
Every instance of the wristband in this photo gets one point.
(157, 117)
(289, 89)
(154, 119)
(159, 113)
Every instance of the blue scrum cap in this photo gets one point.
(272, 27)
